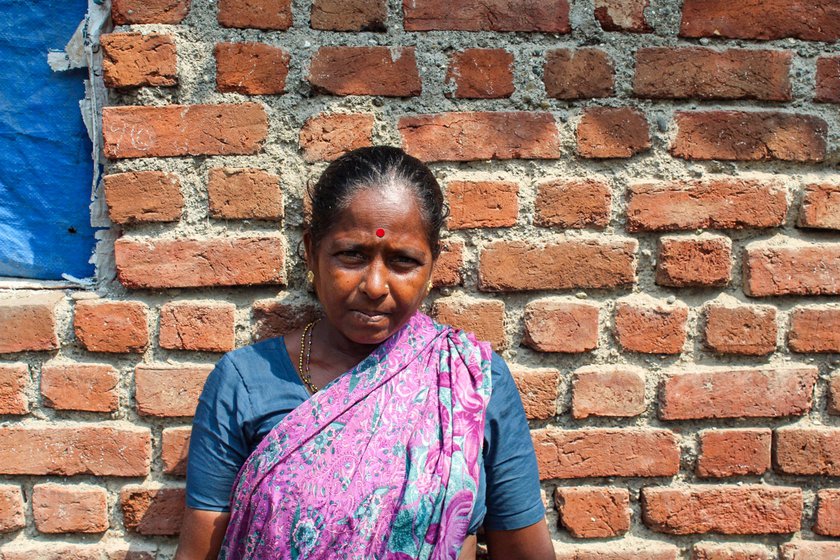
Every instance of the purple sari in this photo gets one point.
(382, 463)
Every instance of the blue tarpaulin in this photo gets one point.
(45, 152)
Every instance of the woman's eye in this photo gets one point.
(406, 262)
(353, 256)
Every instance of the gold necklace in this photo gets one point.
(303, 365)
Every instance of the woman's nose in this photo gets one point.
(375, 282)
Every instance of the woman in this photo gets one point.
(373, 432)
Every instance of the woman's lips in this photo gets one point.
(370, 316)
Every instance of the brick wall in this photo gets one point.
(645, 208)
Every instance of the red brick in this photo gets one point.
(168, 391)
(477, 204)
(789, 267)
(610, 132)
(449, 263)
(807, 451)
(244, 194)
(480, 136)
(58, 508)
(650, 326)
(143, 196)
(385, 71)
(183, 130)
(251, 68)
(175, 444)
(539, 389)
(152, 511)
(485, 318)
(811, 20)
(716, 204)
(600, 452)
(28, 322)
(193, 263)
(326, 137)
(106, 449)
(834, 394)
(746, 392)
(615, 391)
(814, 330)
(59, 551)
(349, 15)
(487, 15)
(112, 326)
(134, 60)
(88, 387)
(820, 207)
(12, 517)
(481, 73)
(127, 12)
(622, 15)
(574, 204)
(578, 73)
(193, 325)
(737, 551)
(749, 136)
(556, 325)
(590, 512)
(701, 261)
(729, 510)
(277, 318)
(726, 453)
(828, 79)
(257, 14)
(828, 513)
(521, 265)
(699, 73)
(14, 380)
(749, 330)
(625, 549)
(804, 550)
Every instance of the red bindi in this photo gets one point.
(380, 232)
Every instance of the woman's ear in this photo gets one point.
(308, 251)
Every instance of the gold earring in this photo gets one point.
(429, 287)
(310, 276)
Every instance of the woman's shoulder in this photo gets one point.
(252, 364)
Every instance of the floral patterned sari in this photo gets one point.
(382, 463)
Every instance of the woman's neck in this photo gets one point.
(335, 353)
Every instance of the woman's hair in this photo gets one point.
(377, 167)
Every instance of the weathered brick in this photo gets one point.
(257, 14)
(828, 513)
(814, 330)
(88, 387)
(14, 380)
(449, 263)
(539, 389)
(168, 391)
(28, 322)
(811, 20)
(735, 551)
(477, 204)
(578, 73)
(728, 203)
(277, 318)
(189, 263)
(729, 510)
(788, 267)
(485, 318)
(738, 452)
(487, 15)
(480, 136)
(615, 391)
(807, 451)
(557, 325)
(326, 137)
(591, 512)
(349, 15)
(385, 71)
(127, 12)
(828, 79)
(152, 511)
(749, 136)
(599, 452)
(183, 130)
(134, 60)
(12, 517)
(244, 194)
(576, 203)
(699, 73)
(748, 330)
(591, 263)
(650, 326)
(820, 206)
(251, 68)
(67, 449)
(612, 132)
(626, 549)
(744, 392)
(143, 196)
(622, 15)
(57, 508)
(195, 325)
(111, 325)
(41, 550)
(804, 550)
(701, 261)
(174, 449)
(834, 394)
(481, 73)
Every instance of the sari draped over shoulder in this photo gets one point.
(382, 463)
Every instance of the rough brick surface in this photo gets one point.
(12, 517)
(143, 196)
(828, 79)
(257, 14)
(556, 325)
(88, 387)
(702, 261)
(776, 268)
(608, 132)
(477, 204)
(492, 15)
(168, 391)
(485, 318)
(112, 326)
(622, 550)
(28, 322)
(730, 510)
(650, 326)
(834, 394)
(481, 73)
(749, 136)
(382, 71)
(449, 263)
(325, 137)
(725, 453)
(539, 389)
(820, 207)
(713, 551)
(814, 330)
(58, 508)
(14, 381)
(41, 550)
(573, 204)
(615, 391)
(763, 392)
(828, 513)
(349, 15)
(277, 318)
(244, 194)
(207, 326)
(591, 512)
(804, 550)
(622, 15)
(134, 60)
(125, 12)
(251, 68)
(152, 511)
(807, 451)
(748, 330)
(578, 73)
(174, 449)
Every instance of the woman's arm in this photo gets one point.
(528, 543)
(202, 533)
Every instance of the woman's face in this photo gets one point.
(369, 285)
